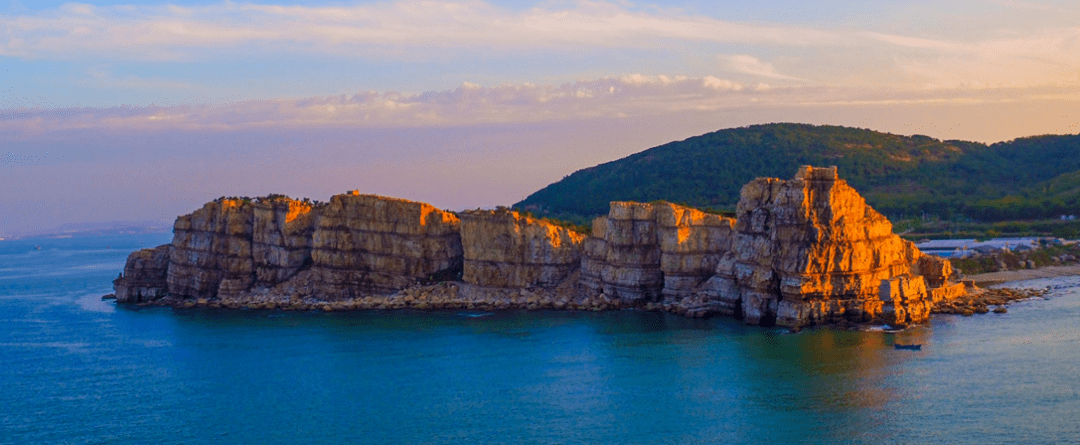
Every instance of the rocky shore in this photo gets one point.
(799, 252)
(985, 300)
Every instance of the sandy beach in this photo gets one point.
(991, 278)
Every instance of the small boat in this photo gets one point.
(912, 347)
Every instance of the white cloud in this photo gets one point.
(627, 96)
(374, 30)
(1030, 59)
(471, 103)
(747, 64)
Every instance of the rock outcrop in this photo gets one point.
(810, 250)
(800, 252)
(503, 248)
(937, 270)
(281, 237)
(144, 277)
(692, 245)
(653, 251)
(622, 256)
(212, 246)
(366, 244)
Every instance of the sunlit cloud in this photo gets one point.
(747, 64)
(626, 96)
(1037, 58)
(404, 29)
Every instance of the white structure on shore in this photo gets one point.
(959, 248)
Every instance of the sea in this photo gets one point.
(75, 369)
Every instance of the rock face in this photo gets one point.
(144, 276)
(281, 238)
(622, 256)
(809, 251)
(366, 244)
(904, 300)
(692, 245)
(653, 251)
(503, 248)
(935, 269)
(802, 251)
(212, 246)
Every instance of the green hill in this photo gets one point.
(1033, 177)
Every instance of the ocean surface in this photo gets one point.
(78, 370)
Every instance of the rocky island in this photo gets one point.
(799, 252)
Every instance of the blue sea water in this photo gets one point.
(78, 370)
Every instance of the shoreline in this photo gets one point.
(1008, 276)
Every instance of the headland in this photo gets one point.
(799, 252)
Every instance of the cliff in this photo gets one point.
(653, 252)
(282, 232)
(144, 276)
(211, 250)
(504, 248)
(803, 251)
(622, 256)
(809, 250)
(366, 244)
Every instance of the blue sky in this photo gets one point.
(497, 97)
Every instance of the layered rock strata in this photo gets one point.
(904, 300)
(503, 248)
(802, 251)
(212, 246)
(810, 250)
(692, 245)
(281, 237)
(144, 277)
(653, 251)
(622, 256)
(366, 244)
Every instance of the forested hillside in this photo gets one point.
(1033, 177)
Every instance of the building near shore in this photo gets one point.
(960, 248)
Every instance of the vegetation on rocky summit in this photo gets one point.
(270, 198)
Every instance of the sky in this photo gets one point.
(121, 111)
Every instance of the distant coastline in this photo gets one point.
(94, 229)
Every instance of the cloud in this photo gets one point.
(1036, 58)
(404, 29)
(747, 64)
(471, 103)
(615, 97)
(1033, 6)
